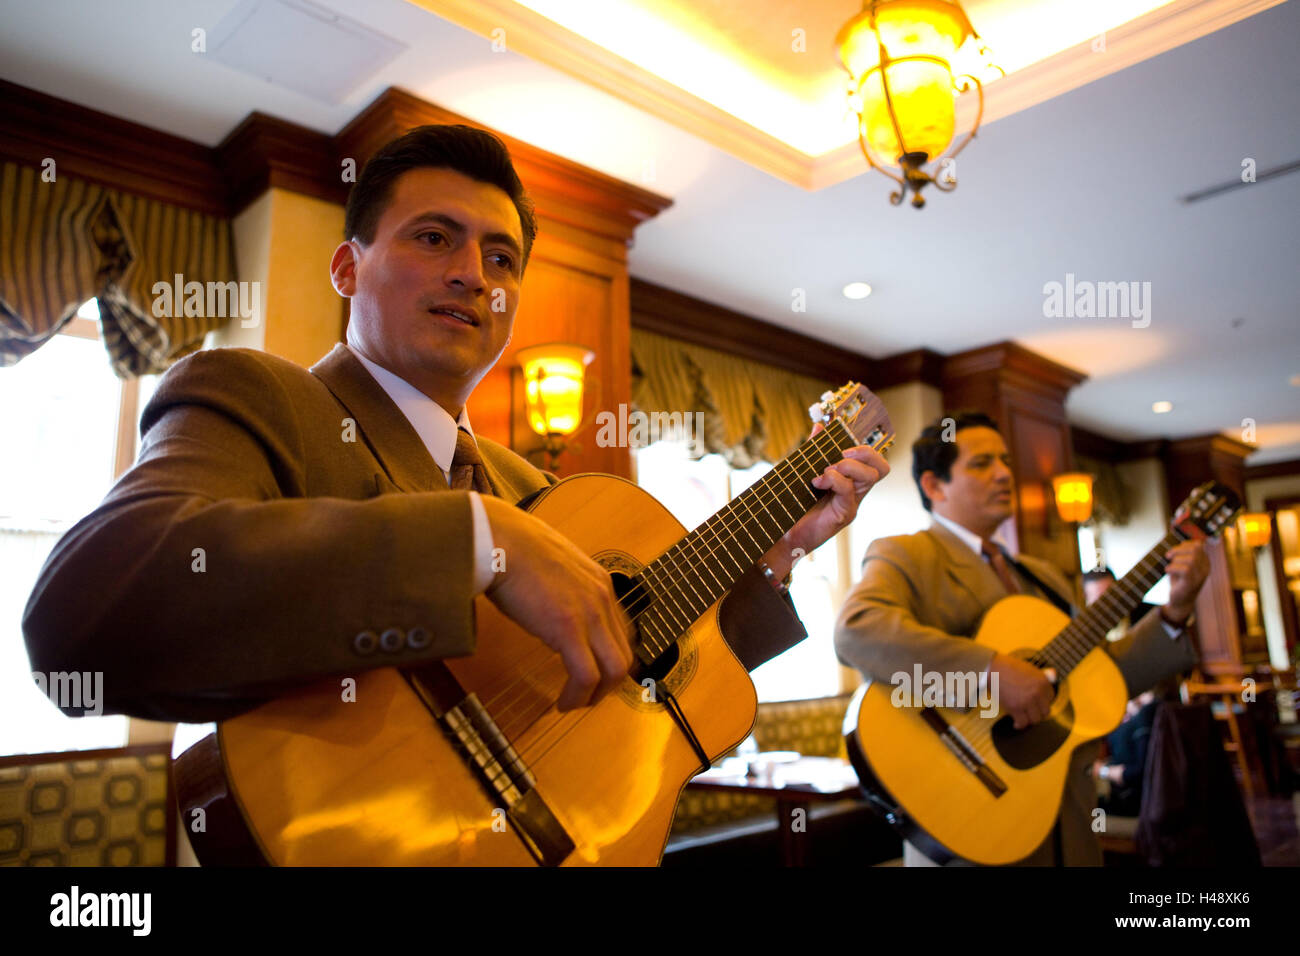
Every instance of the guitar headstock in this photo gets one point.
(862, 413)
(1207, 510)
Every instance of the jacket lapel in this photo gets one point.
(968, 569)
(380, 423)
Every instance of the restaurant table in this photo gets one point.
(793, 781)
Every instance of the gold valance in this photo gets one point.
(751, 411)
(64, 240)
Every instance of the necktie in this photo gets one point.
(467, 471)
(999, 562)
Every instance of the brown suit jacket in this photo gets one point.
(922, 597)
(274, 515)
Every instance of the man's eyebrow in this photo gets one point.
(458, 227)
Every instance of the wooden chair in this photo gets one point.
(1240, 739)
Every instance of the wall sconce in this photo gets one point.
(1073, 493)
(553, 378)
(899, 54)
(1255, 528)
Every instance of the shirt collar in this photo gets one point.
(968, 537)
(430, 420)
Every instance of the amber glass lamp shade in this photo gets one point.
(1255, 529)
(1073, 496)
(907, 46)
(553, 386)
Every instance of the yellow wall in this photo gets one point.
(284, 241)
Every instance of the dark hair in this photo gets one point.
(933, 452)
(474, 152)
(1098, 574)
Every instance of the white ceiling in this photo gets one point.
(1086, 183)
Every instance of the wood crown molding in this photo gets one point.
(110, 151)
(1014, 364)
(1276, 469)
(1093, 445)
(688, 319)
(1214, 444)
(918, 365)
(561, 189)
(263, 152)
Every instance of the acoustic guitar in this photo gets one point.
(963, 782)
(467, 760)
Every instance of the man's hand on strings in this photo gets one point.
(848, 480)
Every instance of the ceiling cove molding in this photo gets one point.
(543, 40)
(540, 39)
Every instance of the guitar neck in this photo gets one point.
(686, 580)
(1090, 628)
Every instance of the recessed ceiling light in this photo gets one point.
(1161, 407)
(857, 290)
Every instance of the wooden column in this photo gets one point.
(1025, 394)
(576, 286)
(1219, 617)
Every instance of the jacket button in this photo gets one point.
(365, 642)
(392, 640)
(417, 639)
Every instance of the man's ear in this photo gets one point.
(931, 486)
(343, 268)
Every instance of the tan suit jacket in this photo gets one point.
(274, 515)
(922, 597)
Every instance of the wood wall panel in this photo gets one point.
(579, 300)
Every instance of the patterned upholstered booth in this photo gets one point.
(88, 808)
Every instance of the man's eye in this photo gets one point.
(431, 233)
(505, 261)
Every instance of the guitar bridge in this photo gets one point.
(963, 751)
(499, 768)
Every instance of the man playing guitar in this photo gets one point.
(922, 596)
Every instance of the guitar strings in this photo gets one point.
(640, 604)
(978, 730)
(581, 715)
(696, 553)
(814, 444)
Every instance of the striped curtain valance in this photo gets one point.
(1110, 499)
(751, 412)
(68, 240)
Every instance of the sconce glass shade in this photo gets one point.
(1255, 528)
(919, 39)
(553, 386)
(1073, 496)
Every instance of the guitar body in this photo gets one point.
(317, 780)
(946, 809)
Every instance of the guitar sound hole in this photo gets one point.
(632, 595)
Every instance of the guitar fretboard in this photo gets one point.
(1090, 628)
(685, 581)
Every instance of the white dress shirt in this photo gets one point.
(437, 430)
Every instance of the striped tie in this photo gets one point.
(999, 562)
(467, 471)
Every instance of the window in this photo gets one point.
(693, 490)
(70, 431)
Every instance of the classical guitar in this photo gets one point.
(963, 782)
(467, 760)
